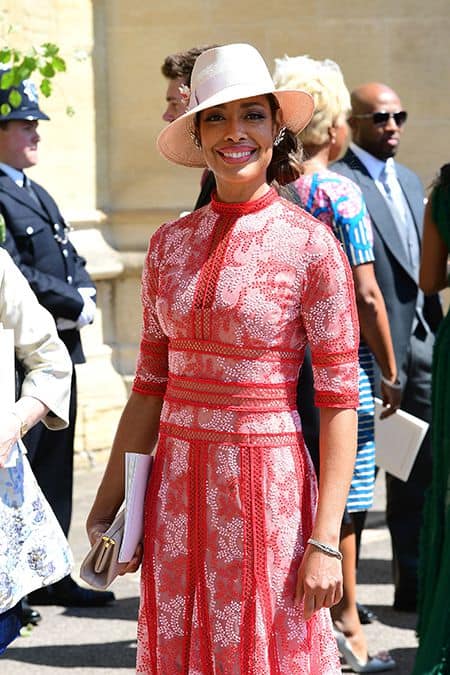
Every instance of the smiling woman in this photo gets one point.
(237, 140)
(240, 561)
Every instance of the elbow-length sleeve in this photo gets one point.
(152, 362)
(331, 322)
(45, 359)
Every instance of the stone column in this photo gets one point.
(102, 391)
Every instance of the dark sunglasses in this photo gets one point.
(382, 118)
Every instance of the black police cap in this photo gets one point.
(28, 109)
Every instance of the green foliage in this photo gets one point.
(15, 99)
(44, 62)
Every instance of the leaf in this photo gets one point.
(30, 62)
(5, 109)
(5, 55)
(46, 87)
(14, 28)
(7, 80)
(17, 76)
(50, 49)
(23, 73)
(70, 111)
(58, 64)
(15, 98)
(47, 70)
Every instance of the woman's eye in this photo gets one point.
(256, 115)
(213, 117)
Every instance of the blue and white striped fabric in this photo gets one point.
(360, 497)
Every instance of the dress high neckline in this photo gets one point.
(241, 208)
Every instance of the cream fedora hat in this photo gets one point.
(221, 75)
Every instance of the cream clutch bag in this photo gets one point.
(100, 566)
(118, 544)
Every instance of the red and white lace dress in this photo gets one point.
(231, 295)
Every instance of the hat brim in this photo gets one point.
(24, 115)
(176, 143)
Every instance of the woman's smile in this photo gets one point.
(239, 154)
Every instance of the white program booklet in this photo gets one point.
(397, 441)
(137, 471)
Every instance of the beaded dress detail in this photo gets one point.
(231, 295)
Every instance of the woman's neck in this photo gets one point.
(235, 192)
(317, 157)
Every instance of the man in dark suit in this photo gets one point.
(37, 238)
(395, 199)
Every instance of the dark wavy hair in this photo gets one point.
(440, 198)
(285, 166)
(287, 153)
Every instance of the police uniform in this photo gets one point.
(37, 240)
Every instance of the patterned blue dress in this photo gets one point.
(338, 202)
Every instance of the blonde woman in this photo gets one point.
(337, 201)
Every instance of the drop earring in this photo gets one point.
(280, 136)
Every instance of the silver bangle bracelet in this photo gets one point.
(392, 385)
(326, 548)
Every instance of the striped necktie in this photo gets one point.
(28, 187)
(401, 213)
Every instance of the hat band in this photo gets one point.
(216, 84)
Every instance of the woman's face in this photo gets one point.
(237, 140)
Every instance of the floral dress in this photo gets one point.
(338, 202)
(231, 295)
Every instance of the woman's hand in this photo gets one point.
(134, 564)
(9, 434)
(319, 581)
(391, 393)
(97, 528)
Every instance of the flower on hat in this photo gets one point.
(29, 89)
(185, 93)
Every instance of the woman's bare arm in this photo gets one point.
(374, 326)
(137, 432)
(433, 264)
(319, 581)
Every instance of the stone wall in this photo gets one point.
(102, 167)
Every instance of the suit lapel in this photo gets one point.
(19, 194)
(48, 204)
(380, 213)
(409, 188)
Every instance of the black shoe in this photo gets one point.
(27, 614)
(68, 594)
(366, 615)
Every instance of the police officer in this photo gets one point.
(37, 238)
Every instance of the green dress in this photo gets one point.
(433, 655)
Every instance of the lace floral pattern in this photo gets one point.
(231, 295)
